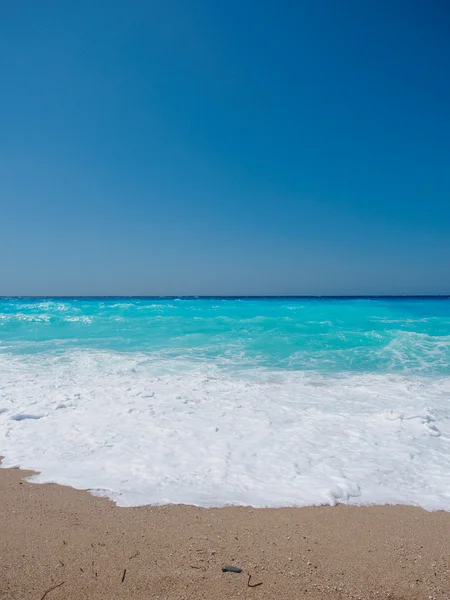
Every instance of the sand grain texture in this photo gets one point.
(52, 534)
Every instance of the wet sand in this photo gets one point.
(51, 534)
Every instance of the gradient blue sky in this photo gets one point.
(224, 147)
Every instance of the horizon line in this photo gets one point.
(229, 297)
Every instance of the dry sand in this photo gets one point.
(52, 534)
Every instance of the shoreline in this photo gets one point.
(52, 534)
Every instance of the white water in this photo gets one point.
(149, 431)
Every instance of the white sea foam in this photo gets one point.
(146, 429)
(80, 319)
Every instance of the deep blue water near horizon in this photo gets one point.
(232, 297)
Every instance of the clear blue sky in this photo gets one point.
(224, 147)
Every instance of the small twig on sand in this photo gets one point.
(253, 584)
(123, 576)
(51, 589)
(194, 567)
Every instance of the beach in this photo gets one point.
(225, 301)
(52, 535)
(302, 440)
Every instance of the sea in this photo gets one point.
(266, 402)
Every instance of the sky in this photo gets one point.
(224, 148)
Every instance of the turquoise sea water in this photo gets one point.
(378, 335)
(214, 401)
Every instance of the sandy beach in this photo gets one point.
(56, 536)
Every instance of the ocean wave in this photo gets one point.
(79, 319)
(269, 403)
